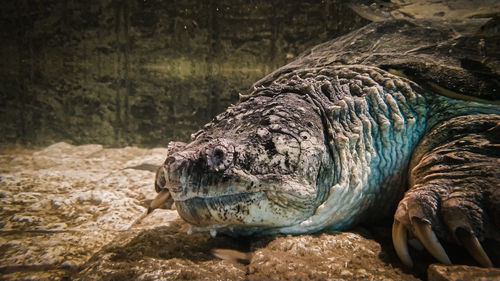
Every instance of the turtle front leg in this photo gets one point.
(454, 190)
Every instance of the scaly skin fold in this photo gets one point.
(369, 119)
(262, 166)
(325, 142)
(454, 170)
(321, 148)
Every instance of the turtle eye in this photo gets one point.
(305, 135)
(220, 157)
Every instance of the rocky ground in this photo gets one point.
(66, 213)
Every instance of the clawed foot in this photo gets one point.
(454, 176)
(427, 237)
(440, 206)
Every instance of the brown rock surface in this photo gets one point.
(169, 253)
(68, 208)
(161, 253)
(330, 255)
(66, 211)
(438, 272)
(60, 204)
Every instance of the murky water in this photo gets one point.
(131, 74)
(144, 72)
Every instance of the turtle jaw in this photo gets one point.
(265, 210)
(264, 177)
(212, 193)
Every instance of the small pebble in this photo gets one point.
(346, 274)
(69, 265)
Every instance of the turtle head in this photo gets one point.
(256, 167)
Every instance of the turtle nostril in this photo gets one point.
(169, 160)
(218, 154)
(215, 157)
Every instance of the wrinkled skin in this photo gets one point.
(454, 187)
(328, 146)
(260, 173)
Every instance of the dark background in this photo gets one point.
(144, 72)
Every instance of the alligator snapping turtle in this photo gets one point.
(338, 135)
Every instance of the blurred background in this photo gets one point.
(145, 72)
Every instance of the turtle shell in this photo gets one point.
(457, 59)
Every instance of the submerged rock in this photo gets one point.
(336, 255)
(438, 272)
(69, 218)
(61, 204)
(168, 253)
(162, 253)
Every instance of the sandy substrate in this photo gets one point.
(66, 211)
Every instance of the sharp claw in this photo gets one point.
(471, 243)
(415, 243)
(159, 199)
(427, 236)
(399, 239)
